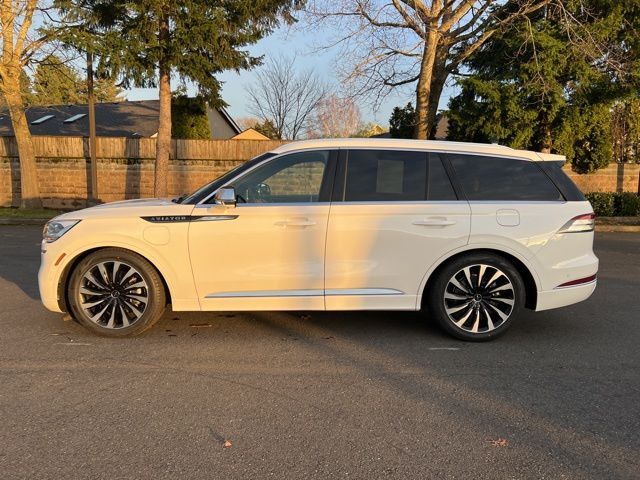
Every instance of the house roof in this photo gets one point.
(117, 119)
(250, 134)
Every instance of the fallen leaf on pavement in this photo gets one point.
(501, 442)
(227, 444)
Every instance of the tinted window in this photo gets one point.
(439, 186)
(388, 175)
(490, 178)
(293, 178)
(562, 181)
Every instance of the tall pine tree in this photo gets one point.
(147, 42)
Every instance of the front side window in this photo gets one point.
(509, 179)
(395, 175)
(293, 178)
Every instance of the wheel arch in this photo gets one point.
(65, 277)
(526, 273)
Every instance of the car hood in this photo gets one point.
(127, 208)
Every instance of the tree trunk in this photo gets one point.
(163, 141)
(437, 85)
(29, 190)
(423, 90)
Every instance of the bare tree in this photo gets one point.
(286, 98)
(18, 48)
(392, 43)
(335, 117)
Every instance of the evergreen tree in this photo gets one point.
(402, 123)
(189, 118)
(145, 42)
(532, 86)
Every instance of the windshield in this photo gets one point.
(203, 192)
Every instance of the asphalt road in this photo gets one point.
(321, 395)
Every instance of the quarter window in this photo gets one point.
(293, 178)
(493, 178)
(395, 175)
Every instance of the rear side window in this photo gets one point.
(391, 175)
(492, 178)
(562, 181)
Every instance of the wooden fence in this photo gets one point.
(125, 168)
(141, 148)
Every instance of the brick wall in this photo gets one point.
(125, 169)
(617, 177)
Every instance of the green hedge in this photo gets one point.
(610, 204)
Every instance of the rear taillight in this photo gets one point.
(581, 223)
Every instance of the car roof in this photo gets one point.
(433, 145)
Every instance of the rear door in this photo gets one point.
(394, 213)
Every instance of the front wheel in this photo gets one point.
(476, 297)
(116, 293)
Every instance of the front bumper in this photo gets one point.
(49, 277)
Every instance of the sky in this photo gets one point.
(303, 45)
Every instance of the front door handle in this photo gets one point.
(295, 222)
(434, 222)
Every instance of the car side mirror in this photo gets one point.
(225, 196)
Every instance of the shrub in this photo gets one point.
(627, 204)
(602, 203)
(611, 204)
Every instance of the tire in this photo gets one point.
(116, 293)
(476, 297)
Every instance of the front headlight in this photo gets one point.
(54, 229)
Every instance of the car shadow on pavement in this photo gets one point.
(19, 262)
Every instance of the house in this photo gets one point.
(118, 119)
(250, 134)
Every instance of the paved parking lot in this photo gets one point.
(321, 395)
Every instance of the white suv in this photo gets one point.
(470, 233)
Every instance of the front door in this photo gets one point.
(267, 252)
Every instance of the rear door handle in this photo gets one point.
(295, 222)
(434, 222)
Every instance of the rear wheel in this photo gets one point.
(116, 293)
(476, 297)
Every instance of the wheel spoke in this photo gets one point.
(460, 322)
(508, 286)
(458, 308)
(104, 274)
(456, 283)
(476, 324)
(98, 315)
(495, 277)
(91, 291)
(125, 318)
(132, 307)
(502, 315)
(93, 303)
(92, 278)
(490, 325)
(467, 276)
(112, 318)
(455, 296)
(481, 274)
(508, 301)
